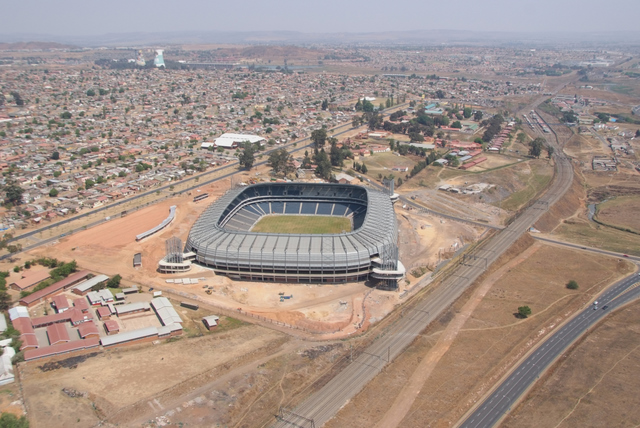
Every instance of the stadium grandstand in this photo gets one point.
(222, 237)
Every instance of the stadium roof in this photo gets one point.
(217, 245)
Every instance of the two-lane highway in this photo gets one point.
(495, 406)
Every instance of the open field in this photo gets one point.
(593, 235)
(621, 212)
(594, 384)
(467, 360)
(536, 177)
(316, 225)
(382, 163)
(117, 383)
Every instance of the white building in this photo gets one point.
(231, 141)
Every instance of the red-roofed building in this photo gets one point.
(111, 327)
(27, 335)
(63, 348)
(81, 304)
(29, 341)
(104, 313)
(57, 334)
(29, 280)
(73, 315)
(40, 295)
(61, 303)
(87, 330)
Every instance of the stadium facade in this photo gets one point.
(222, 239)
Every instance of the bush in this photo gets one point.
(9, 420)
(572, 285)
(524, 311)
(114, 282)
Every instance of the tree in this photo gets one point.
(637, 133)
(467, 112)
(572, 285)
(456, 125)
(363, 168)
(13, 193)
(550, 151)
(477, 116)
(14, 248)
(5, 301)
(524, 311)
(247, 158)
(280, 161)
(114, 282)
(91, 93)
(55, 155)
(17, 98)
(336, 155)
(53, 192)
(325, 104)
(89, 183)
(440, 94)
(535, 147)
(65, 115)
(9, 420)
(319, 137)
(323, 165)
(521, 137)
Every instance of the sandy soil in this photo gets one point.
(595, 384)
(489, 342)
(116, 379)
(335, 309)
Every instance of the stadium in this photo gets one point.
(364, 246)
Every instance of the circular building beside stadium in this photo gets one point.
(222, 239)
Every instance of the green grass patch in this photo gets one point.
(535, 185)
(606, 238)
(302, 224)
(623, 89)
(228, 323)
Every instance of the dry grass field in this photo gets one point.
(621, 212)
(595, 384)
(490, 340)
(316, 225)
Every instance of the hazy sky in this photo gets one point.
(75, 17)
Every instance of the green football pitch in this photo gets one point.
(316, 225)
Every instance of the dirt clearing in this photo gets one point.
(116, 379)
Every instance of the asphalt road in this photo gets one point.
(590, 249)
(326, 402)
(496, 405)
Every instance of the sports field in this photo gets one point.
(316, 225)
